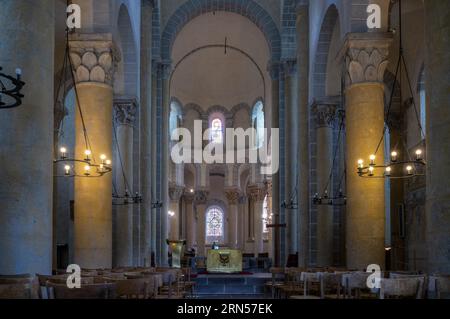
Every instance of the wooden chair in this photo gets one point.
(422, 278)
(278, 280)
(355, 284)
(22, 279)
(95, 291)
(439, 287)
(135, 288)
(401, 288)
(330, 286)
(188, 284)
(17, 291)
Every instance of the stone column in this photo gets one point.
(274, 69)
(92, 56)
(325, 113)
(366, 60)
(124, 116)
(437, 63)
(146, 130)
(201, 197)
(257, 194)
(303, 132)
(27, 136)
(232, 195)
(175, 193)
(291, 151)
(191, 228)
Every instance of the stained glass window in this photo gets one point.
(214, 225)
(217, 131)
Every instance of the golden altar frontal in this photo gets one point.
(224, 261)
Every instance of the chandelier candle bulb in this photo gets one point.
(67, 169)
(108, 162)
(88, 154)
(360, 164)
(19, 73)
(103, 158)
(63, 151)
(87, 168)
(371, 170)
(394, 156)
(372, 160)
(409, 169)
(419, 155)
(388, 171)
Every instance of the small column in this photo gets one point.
(325, 112)
(26, 148)
(191, 227)
(257, 194)
(124, 116)
(366, 60)
(201, 197)
(303, 131)
(93, 58)
(232, 195)
(175, 193)
(146, 132)
(291, 151)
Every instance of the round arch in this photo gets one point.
(247, 8)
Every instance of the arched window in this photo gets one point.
(266, 217)
(258, 123)
(422, 101)
(217, 131)
(174, 117)
(214, 225)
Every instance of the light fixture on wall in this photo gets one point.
(399, 166)
(11, 97)
(87, 162)
(327, 198)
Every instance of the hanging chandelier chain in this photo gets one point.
(119, 153)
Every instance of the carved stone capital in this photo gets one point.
(256, 192)
(232, 195)
(366, 57)
(175, 193)
(188, 197)
(201, 197)
(325, 112)
(290, 67)
(268, 185)
(125, 111)
(94, 57)
(165, 68)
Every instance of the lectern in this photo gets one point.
(176, 247)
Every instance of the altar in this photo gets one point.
(224, 261)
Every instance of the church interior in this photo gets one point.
(340, 188)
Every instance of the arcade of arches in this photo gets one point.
(145, 68)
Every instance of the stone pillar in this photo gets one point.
(303, 132)
(241, 222)
(325, 113)
(201, 197)
(175, 193)
(437, 63)
(92, 56)
(191, 228)
(274, 69)
(146, 130)
(232, 195)
(366, 60)
(257, 194)
(124, 116)
(27, 133)
(291, 151)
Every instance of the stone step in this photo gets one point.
(231, 284)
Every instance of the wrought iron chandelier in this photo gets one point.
(90, 167)
(13, 96)
(339, 199)
(126, 198)
(398, 166)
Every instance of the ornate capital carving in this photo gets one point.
(325, 113)
(290, 67)
(165, 68)
(175, 193)
(188, 197)
(232, 195)
(257, 192)
(201, 197)
(94, 57)
(366, 57)
(125, 111)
